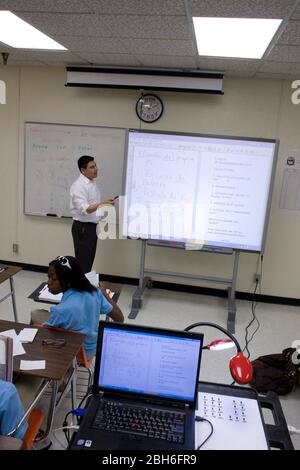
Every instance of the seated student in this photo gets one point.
(81, 304)
(11, 410)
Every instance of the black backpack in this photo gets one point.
(276, 372)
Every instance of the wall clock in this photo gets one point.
(149, 108)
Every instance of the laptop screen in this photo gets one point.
(149, 361)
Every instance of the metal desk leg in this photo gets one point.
(41, 391)
(12, 289)
(73, 384)
(45, 441)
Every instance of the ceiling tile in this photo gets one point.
(44, 5)
(5, 48)
(110, 59)
(92, 44)
(178, 62)
(242, 8)
(280, 67)
(291, 34)
(154, 27)
(50, 56)
(138, 7)
(296, 14)
(284, 54)
(239, 73)
(158, 46)
(24, 62)
(229, 64)
(278, 76)
(80, 24)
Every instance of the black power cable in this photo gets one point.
(199, 418)
(253, 310)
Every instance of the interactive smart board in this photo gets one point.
(203, 189)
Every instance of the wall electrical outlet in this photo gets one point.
(15, 248)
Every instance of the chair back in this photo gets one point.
(82, 359)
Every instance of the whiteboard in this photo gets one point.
(51, 155)
(213, 191)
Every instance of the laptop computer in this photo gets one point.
(144, 391)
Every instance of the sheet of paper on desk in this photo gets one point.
(93, 277)
(110, 293)
(46, 295)
(27, 335)
(17, 345)
(237, 423)
(32, 365)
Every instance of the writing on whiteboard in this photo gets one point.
(51, 155)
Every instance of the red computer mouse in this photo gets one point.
(241, 369)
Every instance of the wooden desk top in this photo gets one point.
(116, 288)
(10, 443)
(9, 272)
(58, 360)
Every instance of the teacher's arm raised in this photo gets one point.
(93, 207)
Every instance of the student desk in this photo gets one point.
(8, 274)
(116, 288)
(58, 361)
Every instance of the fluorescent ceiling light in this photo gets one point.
(17, 33)
(234, 37)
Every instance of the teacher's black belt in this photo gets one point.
(85, 223)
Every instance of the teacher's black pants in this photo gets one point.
(85, 243)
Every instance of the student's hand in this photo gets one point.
(102, 288)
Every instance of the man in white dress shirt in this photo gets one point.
(85, 200)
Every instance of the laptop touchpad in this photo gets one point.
(131, 442)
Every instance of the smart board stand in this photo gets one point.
(146, 281)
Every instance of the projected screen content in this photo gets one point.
(149, 363)
(207, 190)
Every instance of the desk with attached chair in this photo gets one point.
(82, 360)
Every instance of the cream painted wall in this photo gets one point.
(248, 108)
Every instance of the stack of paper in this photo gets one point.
(32, 365)
(17, 345)
(46, 296)
(93, 277)
(27, 335)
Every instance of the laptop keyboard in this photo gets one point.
(147, 422)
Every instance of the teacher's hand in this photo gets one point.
(107, 202)
(93, 207)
